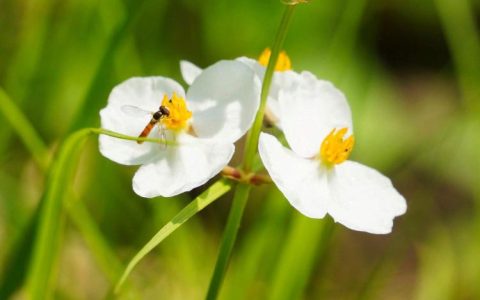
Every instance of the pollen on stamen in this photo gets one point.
(283, 61)
(178, 113)
(335, 148)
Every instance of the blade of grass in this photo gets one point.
(21, 66)
(17, 264)
(88, 110)
(45, 249)
(24, 129)
(214, 192)
(458, 20)
(306, 242)
(18, 259)
(343, 43)
(105, 257)
(185, 257)
(255, 258)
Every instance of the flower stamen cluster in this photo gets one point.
(283, 63)
(335, 148)
(178, 113)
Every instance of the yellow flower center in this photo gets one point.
(335, 148)
(178, 112)
(283, 61)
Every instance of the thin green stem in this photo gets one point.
(254, 133)
(229, 237)
(130, 138)
(242, 191)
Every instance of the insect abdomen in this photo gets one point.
(147, 129)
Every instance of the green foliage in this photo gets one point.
(410, 70)
(211, 194)
(50, 225)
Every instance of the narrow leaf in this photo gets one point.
(24, 129)
(214, 192)
(51, 221)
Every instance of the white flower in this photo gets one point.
(284, 78)
(218, 108)
(315, 176)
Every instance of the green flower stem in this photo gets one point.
(242, 191)
(254, 133)
(229, 236)
(130, 138)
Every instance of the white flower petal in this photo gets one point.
(309, 110)
(146, 94)
(182, 168)
(189, 71)
(253, 64)
(123, 151)
(302, 181)
(363, 199)
(224, 99)
(281, 80)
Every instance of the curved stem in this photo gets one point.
(242, 191)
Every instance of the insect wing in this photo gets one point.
(163, 136)
(135, 111)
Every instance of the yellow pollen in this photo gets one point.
(178, 112)
(335, 149)
(283, 61)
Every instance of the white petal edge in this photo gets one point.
(363, 199)
(183, 168)
(302, 181)
(189, 71)
(145, 93)
(309, 110)
(224, 100)
(281, 80)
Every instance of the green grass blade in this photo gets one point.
(255, 259)
(214, 192)
(18, 259)
(24, 129)
(306, 242)
(103, 254)
(341, 48)
(458, 20)
(89, 108)
(17, 265)
(51, 222)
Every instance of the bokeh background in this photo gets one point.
(410, 70)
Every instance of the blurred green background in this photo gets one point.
(410, 70)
